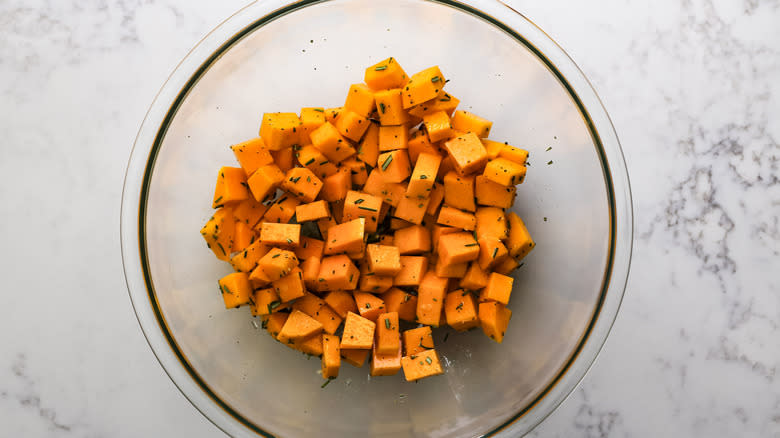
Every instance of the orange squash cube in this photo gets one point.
(385, 364)
(419, 143)
(218, 233)
(383, 260)
(302, 183)
(461, 310)
(388, 335)
(337, 272)
(442, 102)
(264, 302)
(401, 302)
(457, 248)
(251, 155)
(411, 210)
(412, 240)
(290, 286)
(459, 191)
(450, 270)
(286, 235)
(519, 242)
(362, 205)
(280, 130)
(430, 299)
(512, 153)
(331, 356)
(360, 100)
(417, 340)
(423, 175)
(282, 210)
(389, 106)
(491, 222)
(491, 252)
(264, 181)
(358, 333)
(393, 137)
(231, 187)
(438, 126)
(385, 74)
(314, 160)
(277, 263)
(468, 153)
(435, 200)
(369, 305)
(504, 172)
(318, 309)
(494, 318)
(329, 141)
(312, 211)
(492, 194)
(357, 169)
(235, 289)
(475, 277)
(420, 365)
(499, 288)
(298, 326)
(341, 302)
(413, 269)
(356, 358)
(368, 151)
(423, 86)
(249, 212)
(352, 125)
(311, 119)
(346, 237)
(246, 260)
(464, 121)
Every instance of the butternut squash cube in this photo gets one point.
(388, 335)
(494, 318)
(423, 175)
(499, 288)
(252, 154)
(464, 121)
(383, 260)
(417, 340)
(420, 365)
(475, 277)
(277, 263)
(280, 130)
(218, 233)
(360, 100)
(401, 302)
(264, 181)
(352, 125)
(329, 141)
(394, 166)
(412, 240)
(341, 302)
(438, 126)
(423, 86)
(385, 364)
(430, 299)
(468, 153)
(459, 191)
(302, 183)
(390, 108)
(337, 272)
(358, 333)
(519, 242)
(368, 151)
(286, 235)
(331, 356)
(311, 119)
(491, 222)
(314, 160)
(356, 358)
(442, 102)
(504, 172)
(235, 289)
(346, 237)
(298, 326)
(312, 211)
(362, 205)
(290, 286)
(413, 269)
(336, 186)
(231, 187)
(393, 137)
(318, 309)
(461, 310)
(493, 194)
(411, 210)
(282, 210)
(249, 212)
(385, 74)
(264, 302)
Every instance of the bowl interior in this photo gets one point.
(309, 58)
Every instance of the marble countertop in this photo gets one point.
(693, 88)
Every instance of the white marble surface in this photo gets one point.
(693, 88)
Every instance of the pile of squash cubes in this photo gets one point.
(344, 223)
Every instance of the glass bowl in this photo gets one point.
(280, 56)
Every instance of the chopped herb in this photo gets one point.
(309, 162)
(225, 290)
(319, 110)
(296, 179)
(387, 323)
(366, 208)
(273, 305)
(428, 359)
(382, 107)
(423, 176)
(350, 277)
(459, 306)
(446, 98)
(222, 248)
(368, 305)
(549, 162)
(387, 162)
(435, 79)
(275, 255)
(289, 240)
(359, 201)
(218, 199)
(545, 218)
(548, 148)
(380, 68)
(471, 244)
(327, 381)
(495, 251)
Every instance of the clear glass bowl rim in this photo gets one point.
(163, 108)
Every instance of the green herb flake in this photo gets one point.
(368, 305)
(549, 162)
(218, 199)
(387, 162)
(319, 110)
(428, 359)
(380, 68)
(222, 248)
(471, 244)
(549, 148)
(275, 256)
(289, 240)
(309, 162)
(366, 208)
(359, 201)
(327, 381)
(273, 305)
(423, 176)
(382, 107)
(387, 323)
(435, 79)
(495, 251)
(459, 306)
